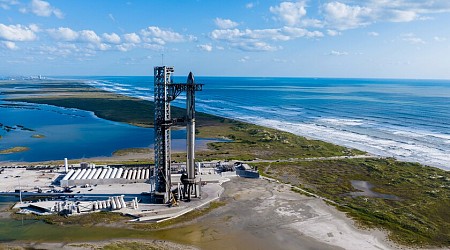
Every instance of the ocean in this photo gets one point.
(405, 119)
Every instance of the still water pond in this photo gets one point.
(70, 133)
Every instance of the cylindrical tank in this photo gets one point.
(114, 172)
(108, 203)
(108, 173)
(102, 175)
(113, 203)
(119, 173)
(95, 205)
(130, 174)
(147, 174)
(138, 174)
(66, 165)
(88, 172)
(97, 173)
(81, 174)
(134, 174)
(125, 172)
(118, 203)
(75, 175)
(122, 201)
(70, 173)
(94, 170)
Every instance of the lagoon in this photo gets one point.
(70, 133)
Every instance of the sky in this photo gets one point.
(338, 38)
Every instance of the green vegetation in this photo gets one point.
(132, 246)
(421, 216)
(127, 151)
(14, 150)
(113, 107)
(85, 219)
(251, 142)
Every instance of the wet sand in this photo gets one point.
(266, 215)
(258, 214)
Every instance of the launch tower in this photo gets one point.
(165, 92)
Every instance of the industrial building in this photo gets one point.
(105, 175)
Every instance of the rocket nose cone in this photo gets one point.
(190, 79)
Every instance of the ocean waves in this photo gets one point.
(392, 118)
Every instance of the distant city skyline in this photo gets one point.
(339, 38)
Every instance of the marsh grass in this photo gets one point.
(419, 218)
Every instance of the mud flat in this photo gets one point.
(266, 215)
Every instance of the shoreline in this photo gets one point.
(269, 141)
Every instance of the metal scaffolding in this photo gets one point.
(165, 92)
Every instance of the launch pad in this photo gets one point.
(165, 92)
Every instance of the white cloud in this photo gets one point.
(373, 33)
(17, 33)
(132, 38)
(349, 14)
(69, 35)
(249, 5)
(280, 34)
(338, 53)
(412, 39)
(256, 40)
(315, 23)
(289, 12)
(43, 8)
(111, 38)
(6, 4)
(333, 33)
(103, 46)
(89, 36)
(342, 16)
(205, 47)
(125, 47)
(401, 15)
(154, 34)
(63, 34)
(225, 23)
(9, 45)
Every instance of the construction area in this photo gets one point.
(156, 192)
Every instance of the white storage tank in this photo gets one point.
(91, 174)
(138, 175)
(108, 173)
(68, 175)
(75, 175)
(81, 174)
(97, 173)
(125, 172)
(119, 173)
(102, 175)
(86, 174)
(114, 172)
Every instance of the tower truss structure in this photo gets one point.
(166, 91)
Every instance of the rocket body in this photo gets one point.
(190, 127)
